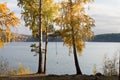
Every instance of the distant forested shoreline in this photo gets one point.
(113, 37)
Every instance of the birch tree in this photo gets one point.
(75, 26)
(32, 13)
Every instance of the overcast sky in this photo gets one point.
(105, 12)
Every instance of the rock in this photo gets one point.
(99, 74)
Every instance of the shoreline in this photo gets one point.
(59, 77)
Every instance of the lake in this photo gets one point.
(59, 59)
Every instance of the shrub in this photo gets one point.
(4, 66)
(21, 70)
(12, 72)
(5, 70)
(111, 65)
(94, 69)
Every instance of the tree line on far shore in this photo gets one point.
(111, 37)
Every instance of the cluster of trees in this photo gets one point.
(75, 25)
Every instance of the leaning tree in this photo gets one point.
(75, 26)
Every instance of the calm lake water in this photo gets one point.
(59, 60)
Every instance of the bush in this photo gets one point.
(5, 70)
(94, 69)
(4, 66)
(21, 70)
(111, 65)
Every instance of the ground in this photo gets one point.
(59, 77)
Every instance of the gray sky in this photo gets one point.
(105, 12)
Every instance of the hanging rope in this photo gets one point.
(56, 50)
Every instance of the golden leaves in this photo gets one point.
(31, 13)
(7, 20)
(6, 17)
(1, 42)
(8, 36)
(76, 8)
(73, 16)
(87, 1)
(3, 8)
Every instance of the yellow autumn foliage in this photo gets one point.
(3, 8)
(30, 14)
(21, 70)
(1, 42)
(7, 20)
(75, 23)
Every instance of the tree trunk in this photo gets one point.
(40, 42)
(78, 71)
(46, 44)
(75, 54)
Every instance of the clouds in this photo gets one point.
(101, 9)
(106, 15)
